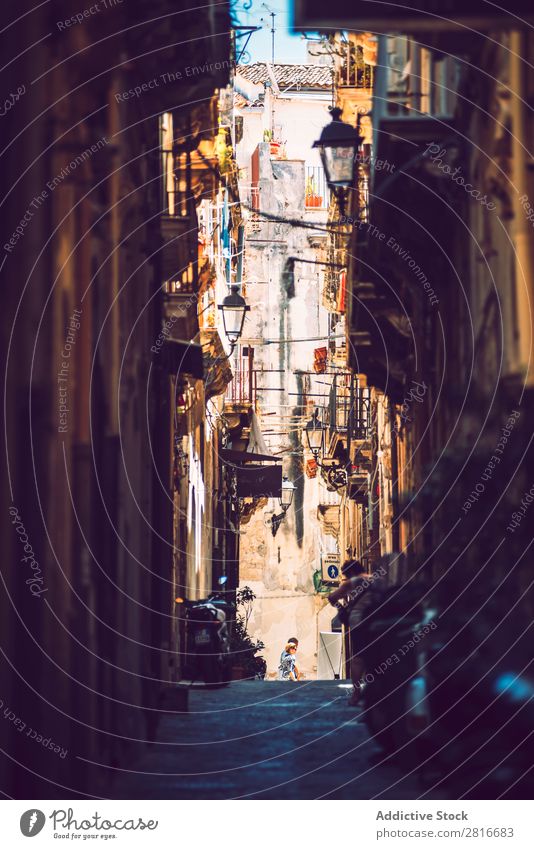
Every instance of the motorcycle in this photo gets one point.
(389, 635)
(455, 700)
(207, 641)
(479, 698)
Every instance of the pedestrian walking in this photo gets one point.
(295, 642)
(287, 669)
(350, 600)
(291, 640)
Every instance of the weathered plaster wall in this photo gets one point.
(284, 312)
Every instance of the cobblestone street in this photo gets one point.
(266, 740)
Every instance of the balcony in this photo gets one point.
(349, 410)
(317, 193)
(363, 194)
(328, 516)
(354, 72)
(250, 200)
(241, 392)
(179, 226)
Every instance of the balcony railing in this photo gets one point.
(317, 193)
(354, 71)
(363, 195)
(176, 184)
(242, 389)
(250, 196)
(179, 225)
(349, 409)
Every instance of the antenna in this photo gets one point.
(273, 29)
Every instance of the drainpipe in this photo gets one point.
(521, 228)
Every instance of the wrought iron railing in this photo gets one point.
(250, 204)
(349, 409)
(363, 195)
(179, 225)
(354, 71)
(242, 389)
(317, 193)
(177, 197)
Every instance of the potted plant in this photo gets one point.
(312, 199)
(273, 145)
(244, 649)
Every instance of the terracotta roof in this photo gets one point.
(303, 76)
(240, 101)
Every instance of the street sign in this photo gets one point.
(378, 16)
(255, 481)
(330, 568)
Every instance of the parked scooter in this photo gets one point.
(451, 693)
(389, 646)
(207, 641)
(479, 700)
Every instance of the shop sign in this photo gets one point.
(254, 481)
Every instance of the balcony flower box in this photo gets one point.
(315, 201)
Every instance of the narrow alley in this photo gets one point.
(268, 338)
(259, 740)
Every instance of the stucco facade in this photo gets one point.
(287, 323)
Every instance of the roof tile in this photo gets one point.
(298, 76)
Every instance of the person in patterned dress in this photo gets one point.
(287, 670)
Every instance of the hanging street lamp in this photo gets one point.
(336, 473)
(285, 500)
(315, 435)
(234, 309)
(338, 144)
(286, 495)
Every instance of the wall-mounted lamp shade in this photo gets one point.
(234, 309)
(337, 146)
(286, 494)
(315, 431)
